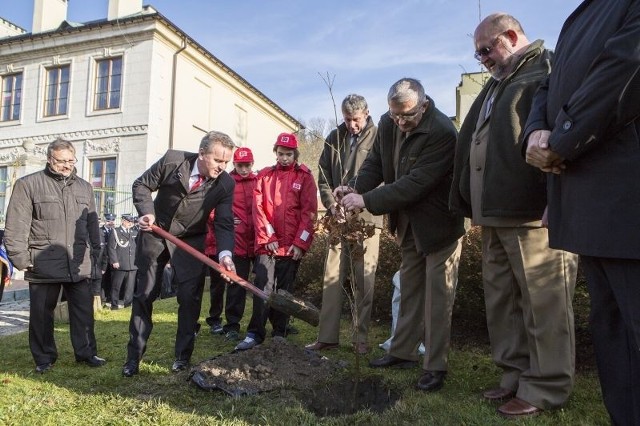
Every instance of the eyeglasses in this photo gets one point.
(484, 51)
(408, 116)
(65, 162)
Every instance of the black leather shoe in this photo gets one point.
(43, 368)
(179, 365)
(130, 368)
(431, 381)
(94, 361)
(392, 361)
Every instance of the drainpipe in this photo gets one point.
(173, 91)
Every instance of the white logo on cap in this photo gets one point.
(284, 139)
(242, 154)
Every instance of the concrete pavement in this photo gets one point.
(14, 308)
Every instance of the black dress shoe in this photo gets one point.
(392, 361)
(94, 361)
(179, 365)
(130, 368)
(43, 368)
(431, 381)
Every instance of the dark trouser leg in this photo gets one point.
(216, 296)
(285, 276)
(151, 256)
(264, 270)
(106, 283)
(189, 273)
(236, 295)
(614, 288)
(117, 278)
(129, 286)
(81, 322)
(42, 301)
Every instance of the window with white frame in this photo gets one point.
(108, 83)
(11, 97)
(103, 180)
(56, 96)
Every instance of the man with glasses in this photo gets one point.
(528, 287)
(413, 156)
(52, 234)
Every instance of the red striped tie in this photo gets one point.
(197, 183)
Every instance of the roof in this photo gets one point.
(149, 13)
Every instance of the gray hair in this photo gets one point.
(214, 137)
(405, 90)
(60, 144)
(354, 103)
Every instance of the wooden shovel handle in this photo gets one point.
(209, 262)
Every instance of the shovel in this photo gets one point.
(281, 301)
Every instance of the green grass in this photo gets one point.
(74, 394)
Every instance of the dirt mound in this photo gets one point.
(314, 380)
(275, 364)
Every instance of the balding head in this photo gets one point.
(499, 41)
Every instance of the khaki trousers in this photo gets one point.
(528, 295)
(338, 267)
(426, 303)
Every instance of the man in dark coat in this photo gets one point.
(344, 152)
(122, 255)
(533, 340)
(52, 234)
(584, 130)
(188, 186)
(413, 156)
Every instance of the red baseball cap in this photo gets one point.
(243, 155)
(287, 140)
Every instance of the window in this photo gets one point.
(56, 98)
(108, 83)
(11, 97)
(3, 190)
(103, 180)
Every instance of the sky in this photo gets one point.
(285, 47)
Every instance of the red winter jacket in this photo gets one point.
(286, 204)
(242, 218)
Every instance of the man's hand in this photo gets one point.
(145, 222)
(541, 156)
(116, 265)
(297, 252)
(341, 191)
(353, 201)
(272, 247)
(228, 265)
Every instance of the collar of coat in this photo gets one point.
(59, 177)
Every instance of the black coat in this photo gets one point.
(121, 248)
(183, 213)
(425, 172)
(591, 104)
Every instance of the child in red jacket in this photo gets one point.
(243, 253)
(284, 213)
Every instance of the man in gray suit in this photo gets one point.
(344, 151)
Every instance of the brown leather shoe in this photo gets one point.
(518, 408)
(361, 348)
(498, 394)
(321, 346)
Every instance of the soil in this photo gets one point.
(317, 382)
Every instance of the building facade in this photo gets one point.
(124, 90)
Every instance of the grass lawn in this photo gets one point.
(74, 394)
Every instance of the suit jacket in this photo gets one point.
(421, 190)
(591, 104)
(339, 163)
(121, 248)
(183, 213)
